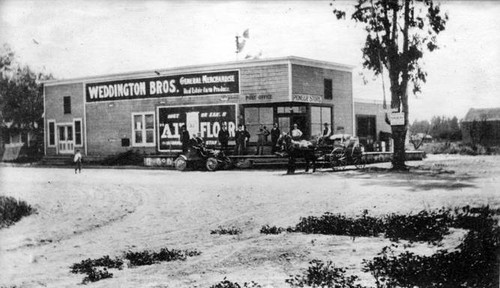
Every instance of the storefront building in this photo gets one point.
(106, 115)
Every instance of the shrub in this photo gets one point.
(473, 264)
(96, 275)
(12, 210)
(228, 284)
(424, 226)
(320, 274)
(226, 231)
(85, 266)
(336, 224)
(165, 255)
(266, 229)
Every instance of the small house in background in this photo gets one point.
(370, 125)
(481, 126)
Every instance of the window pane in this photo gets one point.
(138, 137)
(78, 132)
(52, 132)
(251, 115)
(137, 122)
(67, 104)
(328, 89)
(149, 121)
(315, 115)
(70, 133)
(326, 115)
(62, 135)
(281, 109)
(149, 136)
(284, 124)
(266, 116)
(316, 129)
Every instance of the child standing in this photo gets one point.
(78, 161)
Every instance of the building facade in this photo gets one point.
(481, 126)
(144, 111)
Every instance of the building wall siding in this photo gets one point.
(310, 81)
(375, 109)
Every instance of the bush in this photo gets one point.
(474, 263)
(228, 284)
(12, 210)
(319, 274)
(165, 255)
(266, 229)
(226, 231)
(96, 275)
(336, 224)
(135, 258)
(424, 226)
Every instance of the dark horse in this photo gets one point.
(293, 150)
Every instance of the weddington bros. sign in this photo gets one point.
(210, 83)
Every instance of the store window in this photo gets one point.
(256, 116)
(319, 116)
(67, 104)
(52, 133)
(78, 132)
(328, 89)
(143, 133)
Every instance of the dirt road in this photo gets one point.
(108, 211)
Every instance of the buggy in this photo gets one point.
(199, 157)
(340, 150)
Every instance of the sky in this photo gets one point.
(86, 38)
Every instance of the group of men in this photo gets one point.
(242, 137)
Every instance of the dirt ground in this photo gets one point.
(109, 211)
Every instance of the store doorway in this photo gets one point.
(301, 122)
(65, 142)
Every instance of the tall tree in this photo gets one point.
(398, 34)
(21, 94)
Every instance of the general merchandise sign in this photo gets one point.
(210, 83)
(205, 120)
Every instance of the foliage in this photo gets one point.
(423, 226)
(85, 266)
(12, 210)
(320, 274)
(337, 224)
(95, 275)
(129, 157)
(145, 257)
(229, 284)
(165, 255)
(226, 231)
(266, 229)
(397, 35)
(473, 263)
(21, 94)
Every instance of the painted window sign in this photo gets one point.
(205, 120)
(210, 83)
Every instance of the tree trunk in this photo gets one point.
(399, 156)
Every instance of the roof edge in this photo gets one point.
(205, 67)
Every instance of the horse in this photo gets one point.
(297, 149)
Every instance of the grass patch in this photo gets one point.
(12, 210)
(226, 231)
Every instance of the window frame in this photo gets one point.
(143, 129)
(328, 89)
(81, 132)
(66, 106)
(54, 133)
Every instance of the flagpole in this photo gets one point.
(237, 41)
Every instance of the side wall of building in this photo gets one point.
(308, 80)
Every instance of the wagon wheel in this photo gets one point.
(180, 163)
(359, 161)
(211, 164)
(338, 160)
